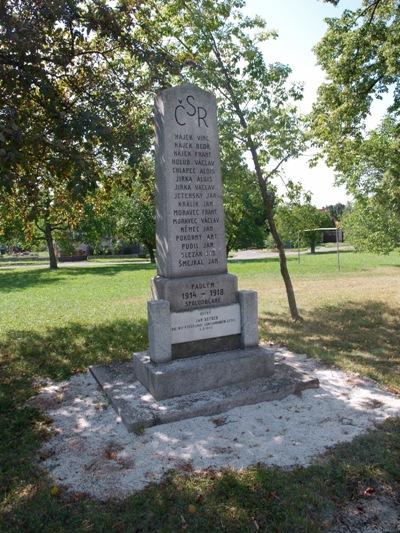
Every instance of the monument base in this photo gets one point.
(202, 373)
(216, 344)
(195, 292)
(138, 409)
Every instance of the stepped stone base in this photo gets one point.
(201, 373)
(138, 409)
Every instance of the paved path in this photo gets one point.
(260, 254)
(241, 255)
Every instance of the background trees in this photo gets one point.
(360, 56)
(245, 223)
(370, 227)
(245, 218)
(335, 211)
(294, 220)
(76, 82)
(257, 106)
(297, 216)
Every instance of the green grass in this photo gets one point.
(117, 259)
(53, 324)
(42, 258)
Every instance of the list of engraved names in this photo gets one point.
(196, 203)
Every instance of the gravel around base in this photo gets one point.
(91, 452)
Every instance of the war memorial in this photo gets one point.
(204, 355)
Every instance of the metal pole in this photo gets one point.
(337, 248)
(298, 246)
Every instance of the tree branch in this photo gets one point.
(272, 172)
(38, 227)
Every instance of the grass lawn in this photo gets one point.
(53, 324)
(42, 258)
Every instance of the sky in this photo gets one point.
(300, 25)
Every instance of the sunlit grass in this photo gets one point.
(53, 324)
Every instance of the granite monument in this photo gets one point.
(204, 355)
(197, 309)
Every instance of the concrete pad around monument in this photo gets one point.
(203, 372)
(138, 409)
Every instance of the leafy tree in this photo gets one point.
(370, 227)
(360, 56)
(245, 220)
(136, 212)
(297, 215)
(98, 222)
(335, 211)
(76, 79)
(220, 51)
(123, 215)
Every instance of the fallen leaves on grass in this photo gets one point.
(54, 490)
(219, 421)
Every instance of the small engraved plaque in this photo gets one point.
(205, 323)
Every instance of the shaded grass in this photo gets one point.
(361, 337)
(53, 324)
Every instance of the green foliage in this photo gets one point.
(335, 211)
(245, 223)
(360, 55)
(66, 243)
(121, 215)
(298, 215)
(75, 93)
(98, 221)
(370, 227)
(136, 217)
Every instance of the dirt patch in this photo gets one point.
(90, 450)
(378, 512)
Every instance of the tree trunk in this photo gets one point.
(269, 209)
(48, 233)
(150, 249)
(228, 245)
(312, 247)
(262, 183)
(283, 267)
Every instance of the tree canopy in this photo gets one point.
(360, 54)
(370, 227)
(75, 91)
(220, 50)
(297, 219)
(80, 75)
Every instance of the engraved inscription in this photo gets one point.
(205, 323)
(190, 110)
(192, 200)
(195, 292)
(193, 169)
